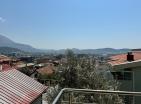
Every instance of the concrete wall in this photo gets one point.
(137, 78)
(137, 83)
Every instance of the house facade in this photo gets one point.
(126, 68)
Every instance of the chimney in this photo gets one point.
(130, 56)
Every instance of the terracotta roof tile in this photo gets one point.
(47, 70)
(17, 88)
(122, 58)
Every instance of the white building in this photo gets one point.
(126, 68)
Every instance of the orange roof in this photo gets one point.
(47, 70)
(122, 58)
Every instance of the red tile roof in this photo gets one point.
(122, 58)
(17, 88)
(6, 67)
(46, 70)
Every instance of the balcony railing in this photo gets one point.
(68, 95)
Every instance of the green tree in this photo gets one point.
(81, 73)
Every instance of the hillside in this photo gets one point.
(7, 50)
(6, 42)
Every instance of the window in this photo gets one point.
(128, 69)
(128, 76)
(118, 75)
(125, 75)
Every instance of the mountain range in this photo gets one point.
(101, 51)
(6, 42)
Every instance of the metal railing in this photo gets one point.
(70, 91)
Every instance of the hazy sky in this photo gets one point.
(56, 24)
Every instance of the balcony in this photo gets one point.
(87, 96)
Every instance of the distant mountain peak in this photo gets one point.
(6, 42)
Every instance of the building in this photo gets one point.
(5, 63)
(47, 70)
(17, 88)
(45, 75)
(126, 68)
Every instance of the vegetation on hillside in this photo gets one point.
(7, 50)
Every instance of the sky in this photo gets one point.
(83, 24)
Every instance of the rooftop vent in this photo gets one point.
(130, 56)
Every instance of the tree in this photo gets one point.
(81, 73)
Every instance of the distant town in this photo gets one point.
(38, 77)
